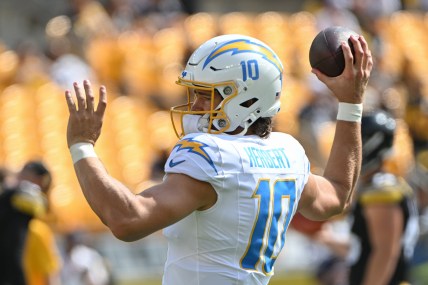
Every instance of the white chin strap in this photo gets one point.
(246, 123)
(195, 124)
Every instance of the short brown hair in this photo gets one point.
(262, 127)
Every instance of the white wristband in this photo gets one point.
(349, 112)
(82, 150)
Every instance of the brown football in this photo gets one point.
(325, 53)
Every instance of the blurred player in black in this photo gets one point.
(384, 227)
(18, 205)
(385, 214)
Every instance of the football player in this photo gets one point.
(21, 203)
(384, 227)
(231, 185)
(385, 219)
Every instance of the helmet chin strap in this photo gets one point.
(248, 122)
(243, 132)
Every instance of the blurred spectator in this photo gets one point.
(123, 13)
(164, 7)
(319, 111)
(4, 177)
(416, 109)
(33, 65)
(42, 261)
(369, 11)
(189, 6)
(19, 203)
(332, 271)
(67, 66)
(337, 13)
(90, 19)
(83, 265)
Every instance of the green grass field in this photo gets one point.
(276, 280)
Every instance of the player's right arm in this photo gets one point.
(128, 216)
(330, 194)
(131, 217)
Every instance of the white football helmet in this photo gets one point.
(244, 71)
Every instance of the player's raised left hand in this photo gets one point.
(84, 123)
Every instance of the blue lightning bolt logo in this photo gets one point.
(244, 45)
(194, 146)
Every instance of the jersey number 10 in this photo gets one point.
(275, 207)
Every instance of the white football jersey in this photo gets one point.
(258, 183)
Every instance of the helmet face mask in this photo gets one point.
(247, 75)
(214, 114)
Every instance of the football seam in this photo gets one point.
(332, 54)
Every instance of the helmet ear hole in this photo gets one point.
(249, 102)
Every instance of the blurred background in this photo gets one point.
(137, 48)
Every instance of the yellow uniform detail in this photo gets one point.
(194, 146)
(386, 194)
(41, 258)
(31, 205)
(381, 197)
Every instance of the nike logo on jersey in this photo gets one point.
(172, 163)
